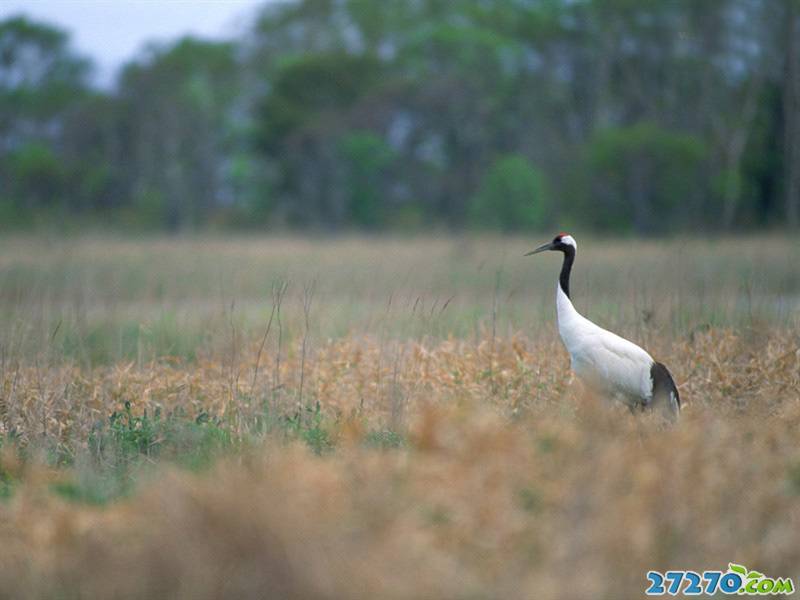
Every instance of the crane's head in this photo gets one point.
(561, 243)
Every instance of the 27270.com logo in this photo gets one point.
(736, 580)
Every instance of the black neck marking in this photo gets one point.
(566, 267)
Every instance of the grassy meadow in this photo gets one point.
(355, 417)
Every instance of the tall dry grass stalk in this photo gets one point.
(511, 483)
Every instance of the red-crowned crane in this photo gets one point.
(604, 361)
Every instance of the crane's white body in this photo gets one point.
(603, 359)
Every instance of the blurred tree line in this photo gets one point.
(624, 115)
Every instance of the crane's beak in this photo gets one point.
(542, 248)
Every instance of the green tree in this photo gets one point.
(41, 82)
(336, 113)
(312, 102)
(513, 196)
(367, 158)
(40, 78)
(643, 175)
(36, 176)
(177, 110)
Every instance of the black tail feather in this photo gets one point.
(665, 392)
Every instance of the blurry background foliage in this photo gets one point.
(647, 117)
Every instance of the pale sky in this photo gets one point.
(111, 32)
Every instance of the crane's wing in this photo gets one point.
(616, 364)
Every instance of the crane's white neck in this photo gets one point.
(564, 307)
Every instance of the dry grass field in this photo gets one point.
(386, 418)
